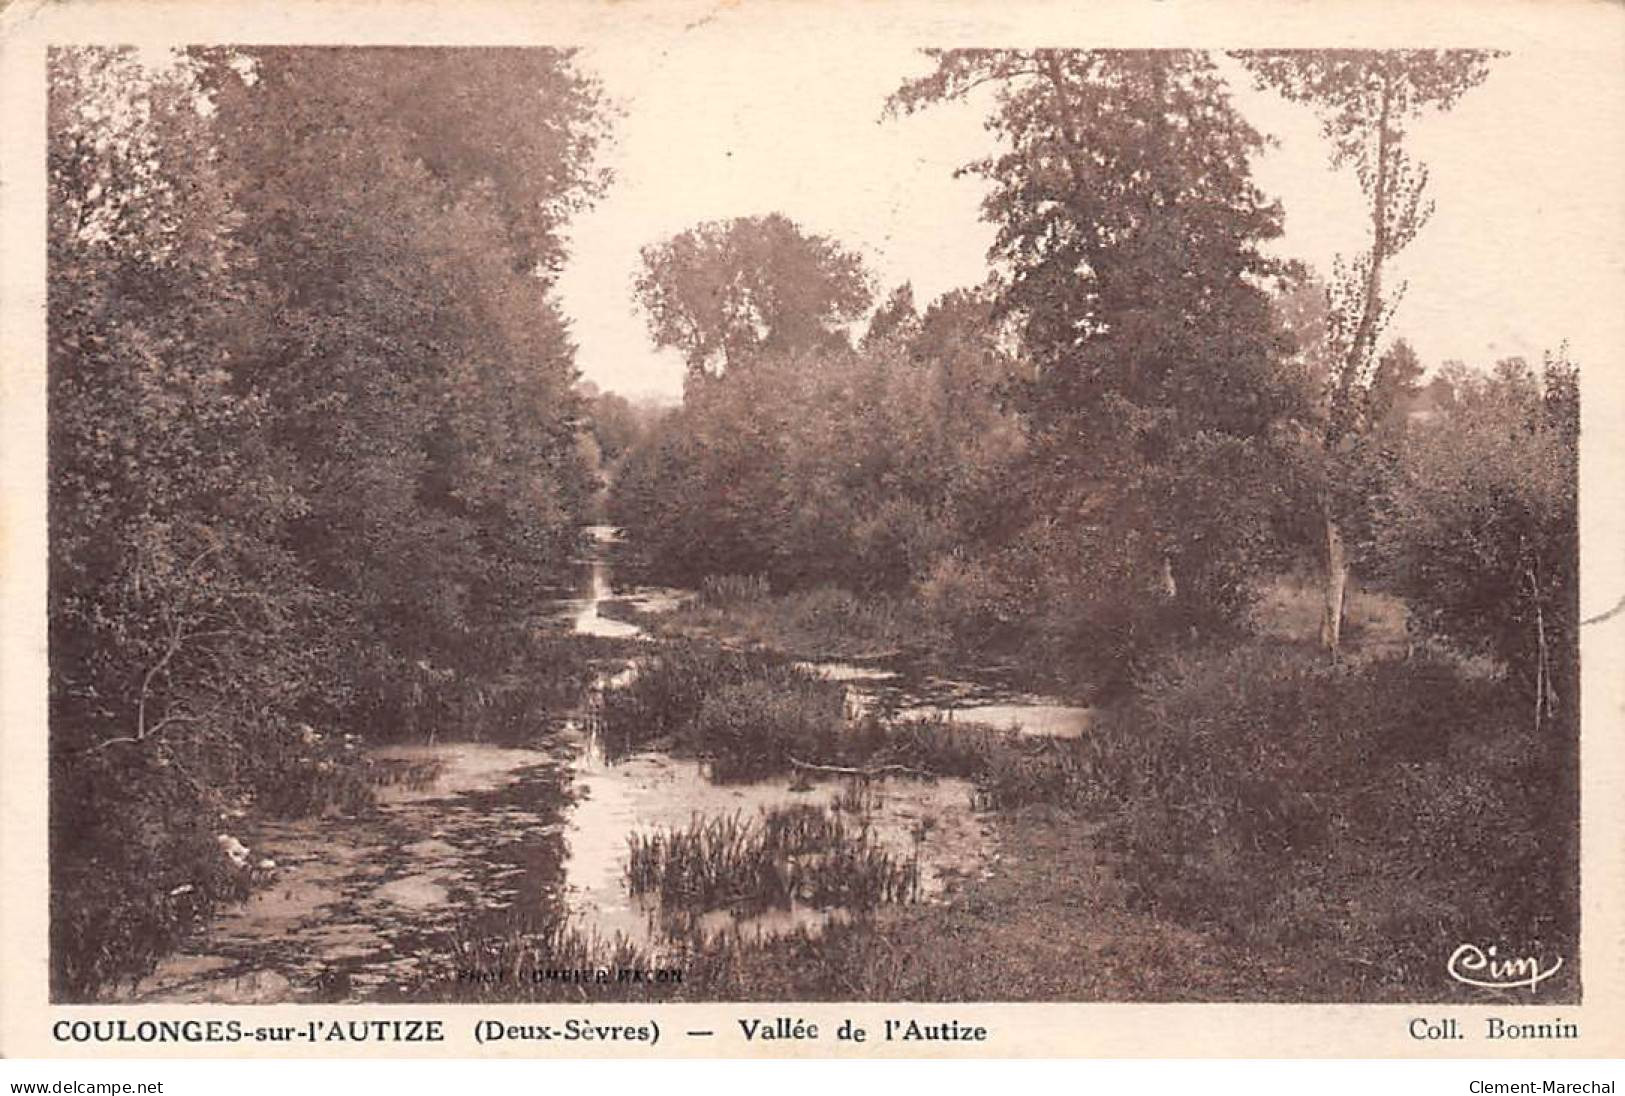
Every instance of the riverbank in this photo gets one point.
(1252, 824)
(526, 842)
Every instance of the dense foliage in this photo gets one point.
(1076, 462)
(319, 453)
(854, 466)
(313, 438)
(725, 290)
(1479, 529)
(1362, 820)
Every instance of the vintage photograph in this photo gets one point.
(653, 522)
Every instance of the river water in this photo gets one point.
(468, 837)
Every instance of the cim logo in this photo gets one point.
(1475, 966)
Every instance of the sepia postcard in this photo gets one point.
(736, 529)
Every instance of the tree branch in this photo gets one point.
(136, 739)
(175, 639)
(843, 770)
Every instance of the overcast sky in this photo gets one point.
(1526, 171)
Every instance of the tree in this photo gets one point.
(419, 363)
(975, 436)
(1129, 232)
(855, 467)
(312, 429)
(703, 493)
(169, 592)
(1365, 99)
(179, 638)
(723, 290)
(896, 318)
(1480, 531)
(616, 423)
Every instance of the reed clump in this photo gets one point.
(746, 712)
(802, 854)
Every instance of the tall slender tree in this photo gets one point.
(1365, 100)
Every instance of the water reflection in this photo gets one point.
(473, 837)
(361, 907)
(589, 620)
(895, 691)
(644, 792)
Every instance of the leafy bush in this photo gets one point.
(1064, 606)
(1388, 809)
(1481, 530)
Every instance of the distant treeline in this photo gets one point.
(915, 465)
(1142, 410)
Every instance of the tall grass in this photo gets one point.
(731, 591)
(802, 853)
(747, 713)
(820, 621)
(497, 684)
(753, 714)
(1007, 768)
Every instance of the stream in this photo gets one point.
(468, 837)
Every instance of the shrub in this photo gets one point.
(1057, 613)
(1406, 800)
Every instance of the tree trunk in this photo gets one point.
(1545, 700)
(1346, 406)
(1337, 577)
(1362, 347)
